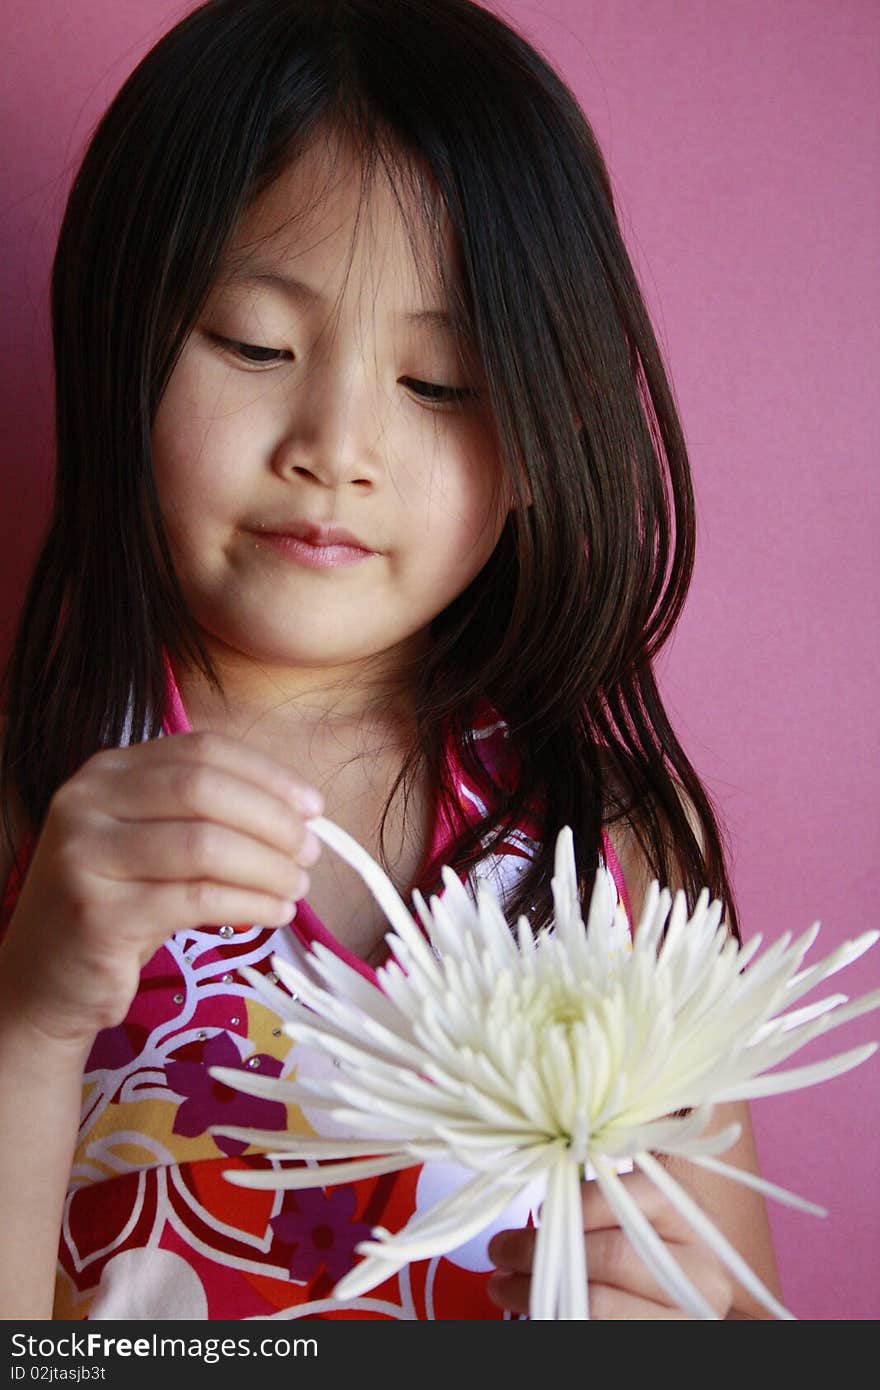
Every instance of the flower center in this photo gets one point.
(322, 1237)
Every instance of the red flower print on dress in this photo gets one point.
(209, 1102)
(322, 1232)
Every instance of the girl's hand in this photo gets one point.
(620, 1283)
(142, 842)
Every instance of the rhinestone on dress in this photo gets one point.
(226, 979)
(177, 998)
(234, 1022)
(253, 1062)
(272, 977)
(202, 1036)
(226, 932)
(276, 1032)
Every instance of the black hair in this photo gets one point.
(561, 627)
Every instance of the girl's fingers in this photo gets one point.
(607, 1304)
(205, 901)
(660, 1212)
(208, 792)
(625, 1286)
(222, 751)
(611, 1260)
(513, 1250)
(192, 851)
(145, 841)
(509, 1291)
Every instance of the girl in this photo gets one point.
(371, 500)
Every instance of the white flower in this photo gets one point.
(522, 1058)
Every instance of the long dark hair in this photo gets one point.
(560, 628)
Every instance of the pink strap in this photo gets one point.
(308, 927)
(616, 872)
(175, 721)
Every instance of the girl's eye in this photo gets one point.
(430, 391)
(425, 390)
(240, 350)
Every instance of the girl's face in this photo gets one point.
(325, 402)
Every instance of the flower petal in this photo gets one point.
(521, 1055)
(376, 879)
(574, 1304)
(446, 1231)
(328, 1175)
(798, 1078)
(770, 1189)
(551, 1244)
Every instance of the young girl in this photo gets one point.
(371, 500)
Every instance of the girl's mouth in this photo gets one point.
(317, 557)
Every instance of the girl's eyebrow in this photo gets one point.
(257, 273)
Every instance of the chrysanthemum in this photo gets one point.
(520, 1057)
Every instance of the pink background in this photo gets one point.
(743, 140)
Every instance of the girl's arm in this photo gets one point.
(738, 1212)
(142, 842)
(40, 1098)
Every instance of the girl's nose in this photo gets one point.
(334, 428)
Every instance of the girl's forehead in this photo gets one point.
(320, 218)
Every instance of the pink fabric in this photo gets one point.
(616, 872)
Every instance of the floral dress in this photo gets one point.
(151, 1228)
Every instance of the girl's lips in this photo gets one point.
(316, 557)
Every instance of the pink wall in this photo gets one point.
(743, 144)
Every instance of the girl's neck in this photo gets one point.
(361, 702)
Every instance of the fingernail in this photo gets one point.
(310, 849)
(495, 1286)
(496, 1250)
(308, 799)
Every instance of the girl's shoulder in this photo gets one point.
(623, 836)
